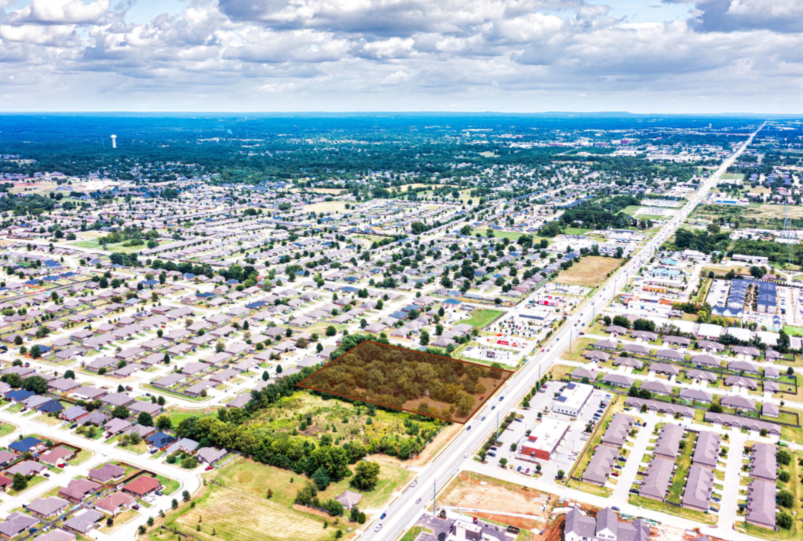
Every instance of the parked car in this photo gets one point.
(615, 508)
(491, 453)
(210, 468)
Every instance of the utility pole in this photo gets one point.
(435, 497)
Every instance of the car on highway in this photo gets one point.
(383, 516)
(378, 527)
(501, 398)
(483, 418)
(468, 428)
(417, 501)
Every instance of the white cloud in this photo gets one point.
(320, 54)
(60, 12)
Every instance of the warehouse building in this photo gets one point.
(572, 399)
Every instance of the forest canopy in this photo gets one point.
(409, 380)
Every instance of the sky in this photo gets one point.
(650, 56)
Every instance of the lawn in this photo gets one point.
(95, 245)
(682, 512)
(413, 533)
(683, 464)
(170, 485)
(39, 479)
(591, 271)
(578, 346)
(82, 456)
(176, 415)
(482, 318)
(6, 429)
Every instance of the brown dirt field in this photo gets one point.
(466, 491)
(554, 532)
(523, 523)
(591, 271)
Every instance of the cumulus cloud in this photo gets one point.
(744, 15)
(60, 12)
(517, 54)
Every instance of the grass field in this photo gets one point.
(683, 464)
(239, 509)
(591, 271)
(95, 245)
(732, 176)
(481, 318)
(578, 346)
(682, 512)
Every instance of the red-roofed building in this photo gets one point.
(142, 486)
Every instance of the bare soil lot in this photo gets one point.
(591, 271)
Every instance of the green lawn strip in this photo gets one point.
(596, 439)
(413, 533)
(6, 429)
(683, 463)
(589, 488)
(179, 395)
(39, 479)
(682, 512)
(83, 455)
(481, 318)
(170, 485)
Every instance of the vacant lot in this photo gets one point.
(328, 206)
(409, 380)
(466, 490)
(234, 505)
(591, 271)
(481, 318)
(341, 420)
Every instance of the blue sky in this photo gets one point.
(672, 56)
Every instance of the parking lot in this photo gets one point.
(567, 451)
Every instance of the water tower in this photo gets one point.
(114, 141)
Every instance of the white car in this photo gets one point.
(378, 527)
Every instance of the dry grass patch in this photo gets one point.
(327, 206)
(466, 490)
(591, 271)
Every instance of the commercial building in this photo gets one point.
(544, 439)
(572, 399)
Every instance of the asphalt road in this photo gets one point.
(404, 511)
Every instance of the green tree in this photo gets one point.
(120, 412)
(20, 482)
(366, 475)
